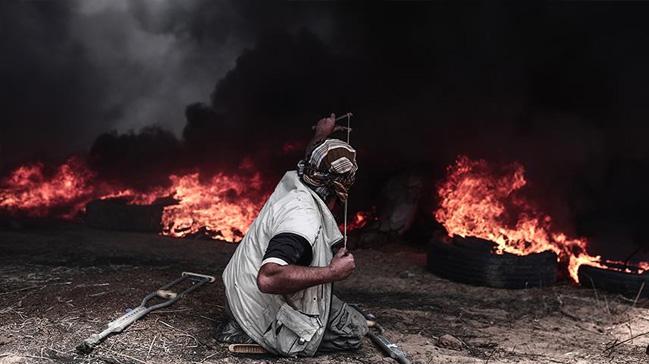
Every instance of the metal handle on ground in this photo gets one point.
(122, 322)
(389, 348)
(192, 274)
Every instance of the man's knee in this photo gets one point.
(345, 329)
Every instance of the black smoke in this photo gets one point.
(73, 69)
(139, 160)
(46, 108)
(557, 86)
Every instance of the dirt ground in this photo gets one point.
(58, 285)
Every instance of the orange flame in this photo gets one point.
(30, 191)
(478, 200)
(221, 208)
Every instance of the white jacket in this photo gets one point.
(285, 325)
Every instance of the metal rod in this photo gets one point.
(348, 116)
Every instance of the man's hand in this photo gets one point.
(327, 126)
(342, 265)
(323, 128)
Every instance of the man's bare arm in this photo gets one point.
(287, 279)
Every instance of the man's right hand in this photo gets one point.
(342, 265)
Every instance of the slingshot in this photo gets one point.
(348, 116)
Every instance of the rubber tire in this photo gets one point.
(627, 284)
(469, 260)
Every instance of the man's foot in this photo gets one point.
(231, 333)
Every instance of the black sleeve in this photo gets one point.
(291, 248)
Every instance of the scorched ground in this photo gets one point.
(59, 283)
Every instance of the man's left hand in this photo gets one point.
(327, 126)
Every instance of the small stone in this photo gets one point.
(375, 359)
(406, 274)
(13, 359)
(449, 342)
(4, 340)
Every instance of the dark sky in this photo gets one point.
(559, 86)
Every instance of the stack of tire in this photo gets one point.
(472, 261)
(623, 279)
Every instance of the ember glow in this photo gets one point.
(358, 221)
(477, 199)
(221, 207)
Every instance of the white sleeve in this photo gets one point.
(273, 260)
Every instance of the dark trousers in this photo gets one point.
(345, 329)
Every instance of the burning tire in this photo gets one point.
(118, 214)
(470, 260)
(629, 284)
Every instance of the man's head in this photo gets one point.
(330, 169)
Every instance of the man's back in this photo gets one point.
(292, 208)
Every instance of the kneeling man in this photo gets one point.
(279, 280)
